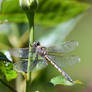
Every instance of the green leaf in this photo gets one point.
(61, 80)
(8, 71)
(59, 11)
(78, 82)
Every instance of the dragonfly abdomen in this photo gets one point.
(58, 68)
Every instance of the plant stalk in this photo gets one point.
(29, 6)
(30, 57)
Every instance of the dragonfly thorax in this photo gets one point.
(40, 50)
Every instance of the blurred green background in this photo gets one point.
(73, 28)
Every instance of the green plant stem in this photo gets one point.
(4, 83)
(30, 58)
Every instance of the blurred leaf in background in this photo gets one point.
(59, 11)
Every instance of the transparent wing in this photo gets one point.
(63, 47)
(19, 52)
(66, 60)
(40, 65)
(36, 65)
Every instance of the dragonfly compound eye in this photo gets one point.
(36, 43)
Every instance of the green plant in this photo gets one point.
(29, 7)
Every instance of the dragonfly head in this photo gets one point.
(36, 44)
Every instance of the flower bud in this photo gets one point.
(29, 5)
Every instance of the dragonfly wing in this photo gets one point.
(40, 65)
(20, 66)
(66, 60)
(19, 52)
(63, 47)
(36, 65)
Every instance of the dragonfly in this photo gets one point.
(42, 55)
